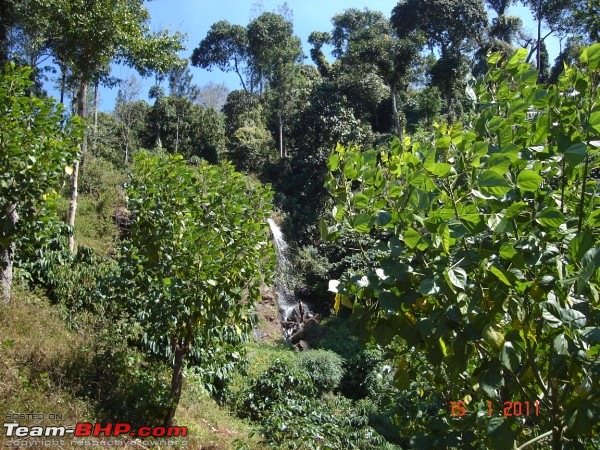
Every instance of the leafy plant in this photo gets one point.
(196, 254)
(284, 402)
(37, 149)
(490, 236)
(323, 367)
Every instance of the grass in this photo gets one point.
(44, 366)
(36, 349)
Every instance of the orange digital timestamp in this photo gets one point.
(509, 409)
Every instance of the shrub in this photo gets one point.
(283, 402)
(280, 384)
(490, 264)
(324, 368)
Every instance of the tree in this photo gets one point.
(554, 13)
(196, 254)
(270, 53)
(450, 25)
(213, 96)
(275, 53)
(488, 266)
(128, 112)
(182, 126)
(366, 39)
(36, 153)
(226, 48)
(88, 36)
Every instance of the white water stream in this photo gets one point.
(284, 278)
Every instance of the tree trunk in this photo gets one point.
(397, 125)
(81, 112)
(63, 84)
(127, 151)
(95, 129)
(7, 256)
(539, 37)
(281, 151)
(179, 350)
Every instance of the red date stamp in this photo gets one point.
(509, 409)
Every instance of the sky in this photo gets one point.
(195, 17)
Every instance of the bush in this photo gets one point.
(324, 367)
(283, 401)
(281, 384)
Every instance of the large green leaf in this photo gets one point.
(362, 223)
(528, 180)
(492, 183)
(510, 357)
(360, 201)
(551, 218)
(576, 154)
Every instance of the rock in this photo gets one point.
(302, 345)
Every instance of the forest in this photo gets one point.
(392, 242)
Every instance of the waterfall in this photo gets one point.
(284, 278)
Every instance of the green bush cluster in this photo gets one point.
(291, 413)
(324, 367)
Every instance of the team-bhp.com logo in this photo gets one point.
(86, 429)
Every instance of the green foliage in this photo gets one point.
(489, 236)
(118, 379)
(283, 401)
(323, 367)
(312, 268)
(184, 127)
(70, 280)
(86, 37)
(279, 384)
(196, 254)
(36, 150)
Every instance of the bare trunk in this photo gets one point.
(7, 256)
(95, 129)
(281, 150)
(539, 37)
(81, 112)
(397, 125)
(176, 135)
(179, 350)
(63, 84)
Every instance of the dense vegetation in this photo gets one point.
(436, 178)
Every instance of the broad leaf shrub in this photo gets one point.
(291, 414)
(489, 233)
(38, 147)
(196, 253)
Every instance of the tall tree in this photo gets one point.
(449, 25)
(556, 15)
(275, 53)
(265, 55)
(128, 112)
(87, 36)
(367, 41)
(226, 48)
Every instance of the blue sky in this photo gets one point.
(194, 18)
